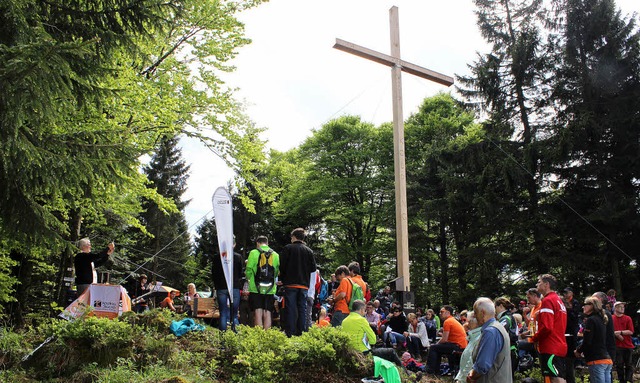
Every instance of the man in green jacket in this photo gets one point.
(356, 325)
(262, 270)
(362, 336)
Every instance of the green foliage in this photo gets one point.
(91, 340)
(102, 350)
(157, 321)
(262, 355)
(168, 174)
(11, 348)
(6, 282)
(80, 105)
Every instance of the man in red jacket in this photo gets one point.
(623, 329)
(552, 321)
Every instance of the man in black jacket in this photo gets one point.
(227, 314)
(85, 263)
(296, 265)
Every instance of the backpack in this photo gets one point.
(356, 293)
(511, 327)
(324, 290)
(266, 273)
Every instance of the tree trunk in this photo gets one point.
(22, 272)
(444, 262)
(65, 266)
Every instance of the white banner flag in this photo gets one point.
(223, 214)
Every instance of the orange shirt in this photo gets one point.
(533, 321)
(456, 332)
(342, 305)
(323, 323)
(358, 279)
(165, 303)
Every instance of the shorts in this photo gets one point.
(552, 365)
(261, 301)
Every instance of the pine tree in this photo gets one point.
(597, 138)
(168, 174)
(510, 85)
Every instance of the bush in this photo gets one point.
(157, 320)
(92, 340)
(140, 348)
(11, 348)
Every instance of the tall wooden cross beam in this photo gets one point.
(397, 66)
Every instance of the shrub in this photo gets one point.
(156, 320)
(12, 348)
(261, 354)
(91, 340)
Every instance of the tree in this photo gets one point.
(168, 174)
(597, 139)
(510, 84)
(81, 102)
(346, 185)
(441, 188)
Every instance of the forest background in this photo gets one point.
(532, 168)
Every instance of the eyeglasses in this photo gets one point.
(588, 304)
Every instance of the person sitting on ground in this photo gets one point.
(396, 325)
(189, 297)
(362, 336)
(372, 317)
(379, 309)
(462, 317)
(429, 321)
(416, 336)
(167, 303)
(191, 292)
(322, 318)
(453, 340)
(385, 297)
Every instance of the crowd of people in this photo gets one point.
(487, 343)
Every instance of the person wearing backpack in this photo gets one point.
(505, 317)
(347, 292)
(297, 263)
(263, 266)
(354, 273)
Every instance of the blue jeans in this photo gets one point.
(296, 304)
(223, 306)
(600, 373)
(396, 338)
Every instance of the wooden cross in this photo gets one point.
(397, 66)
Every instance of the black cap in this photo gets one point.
(568, 290)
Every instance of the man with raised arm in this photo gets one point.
(85, 264)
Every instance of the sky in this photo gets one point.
(292, 81)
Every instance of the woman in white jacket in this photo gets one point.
(416, 335)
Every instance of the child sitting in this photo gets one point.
(322, 318)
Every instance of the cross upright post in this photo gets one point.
(397, 67)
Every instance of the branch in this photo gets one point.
(158, 62)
